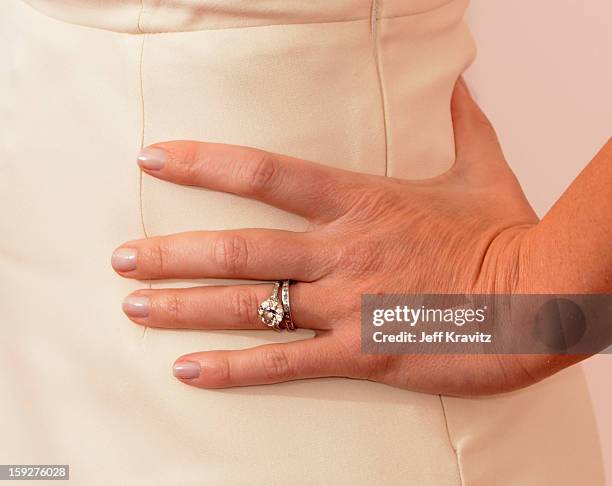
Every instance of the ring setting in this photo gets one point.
(271, 311)
(275, 313)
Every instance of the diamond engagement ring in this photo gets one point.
(271, 311)
(288, 320)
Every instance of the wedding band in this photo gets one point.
(288, 319)
(271, 311)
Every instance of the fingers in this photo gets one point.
(259, 254)
(476, 142)
(271, 363)
(219, 307)
(305, 188)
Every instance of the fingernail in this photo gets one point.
(186, 370)
(124, 259)
(152, 158)
(136, 306)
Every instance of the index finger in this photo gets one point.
(305, 188)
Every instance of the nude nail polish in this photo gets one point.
(136, 306)
(152, 158)
(124, 259)
(186, 370)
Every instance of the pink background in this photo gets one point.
(544, 77)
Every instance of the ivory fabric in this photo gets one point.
(352, 83)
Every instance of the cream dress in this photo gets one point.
(359, 84)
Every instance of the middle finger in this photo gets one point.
(259, 254)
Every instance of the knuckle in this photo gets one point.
(276, 365)
(352, 305)
(173, 307)
(243, 306)
(348, 356)
(189, 163)
(262, 174)
(231, 253)
(371, 203)
(159, 257)
(359, 257)
(221, 373)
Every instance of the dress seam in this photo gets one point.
(379, 76)
(142, 109)
(142, 131)
(450, 441)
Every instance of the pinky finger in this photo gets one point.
(270, 363)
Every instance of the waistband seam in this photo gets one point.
(140, 30)
(285, 24)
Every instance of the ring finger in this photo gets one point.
(219, 307)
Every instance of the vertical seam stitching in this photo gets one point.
(142, 107)
(450, 440)
(383, 98)
(142, 131)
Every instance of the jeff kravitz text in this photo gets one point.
(410, 316)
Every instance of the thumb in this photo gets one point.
(479, 156)
(476, 144)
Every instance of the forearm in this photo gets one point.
(570, 250)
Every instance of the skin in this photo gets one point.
(469, 230)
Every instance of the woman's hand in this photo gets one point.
(466, 231)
